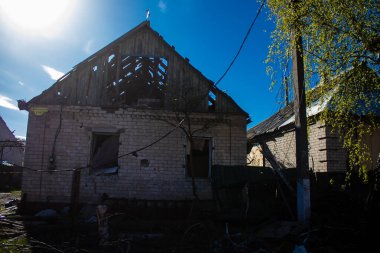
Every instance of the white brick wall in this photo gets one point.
(325, 150)
(164, 178)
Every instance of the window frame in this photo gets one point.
(210, 157)
(104, 169)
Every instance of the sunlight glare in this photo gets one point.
(42, 16)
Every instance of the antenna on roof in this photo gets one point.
(147, 14)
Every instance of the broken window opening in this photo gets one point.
(201, 151)
(211, 101)
(111, 70)
(104, 153)
(111, 57)
(142, 81)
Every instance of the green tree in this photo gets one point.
(341, 41)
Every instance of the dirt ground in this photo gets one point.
(6, 197)
(337, 226)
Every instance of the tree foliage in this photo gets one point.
(341, 45)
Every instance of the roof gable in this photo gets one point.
(101, 79)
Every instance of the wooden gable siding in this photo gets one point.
(85, 86)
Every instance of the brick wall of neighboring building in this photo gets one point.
(325, 150)
(164, 177)
(336, 158)
(373, 143)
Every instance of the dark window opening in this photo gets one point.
(104, 155)
(201, 151)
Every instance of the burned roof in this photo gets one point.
(138, 69)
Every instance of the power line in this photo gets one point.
(242, 44)
(154, 142)
(134, 152)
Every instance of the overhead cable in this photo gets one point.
(129, 153)
(242, 44)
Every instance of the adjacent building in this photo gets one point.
(326, 153)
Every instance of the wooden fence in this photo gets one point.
(10, 178)
(257, 193)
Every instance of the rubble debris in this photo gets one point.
(280, 229)
(92, 219)
(101, 212)
(299, 249)
(10, 203)
(65, 211)
(87, 211)
(47, 213)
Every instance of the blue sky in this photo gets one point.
(41, 41)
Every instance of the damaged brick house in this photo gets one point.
(326, 154)
(11, 148)
(121, 117)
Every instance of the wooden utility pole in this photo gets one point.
(286, 87)
(302, 156)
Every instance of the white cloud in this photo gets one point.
(53, 73)
(7, 103)
(21, 137)
(89, 47)
(162, 5)
(21, 83)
